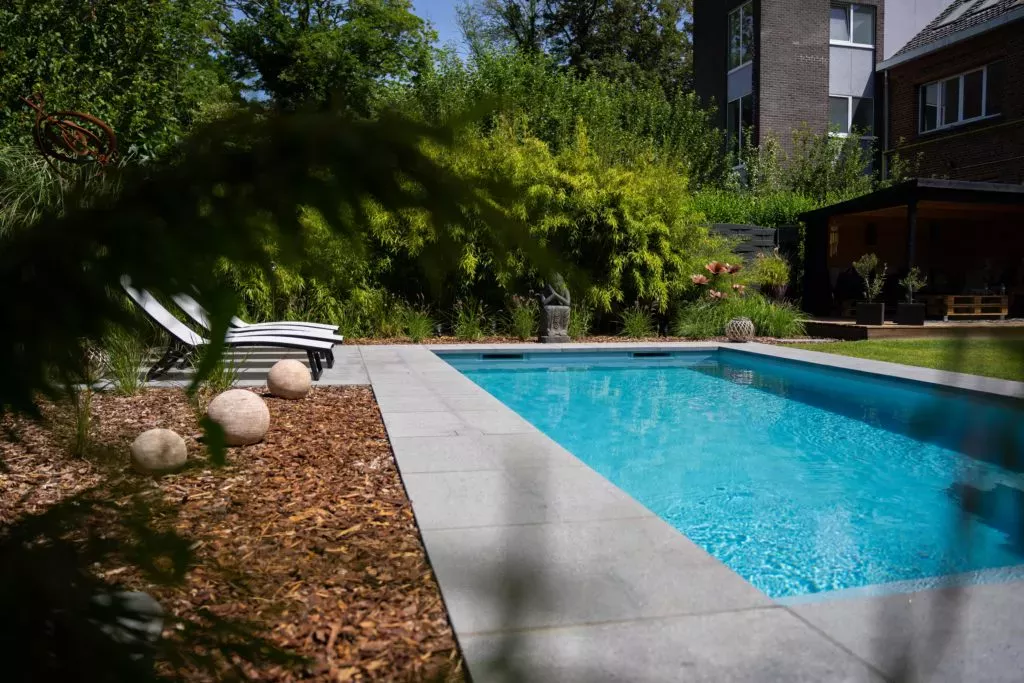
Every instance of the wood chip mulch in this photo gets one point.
(315, 518)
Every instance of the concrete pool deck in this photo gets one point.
(551, 573)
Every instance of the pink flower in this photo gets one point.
(715, 294)
(699, 279)
(739, 288)
(717, 268)
(733, 269)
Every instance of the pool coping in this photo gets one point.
(549, 569)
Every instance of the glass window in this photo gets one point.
(732, 125)
(839, 22)
(863, 24)
(994, 88)
(839, 114)
(951, 101)
(974, 93)
(741, 35)
(735, 39)
(747, 30)
(930, 107)
(864, 115)
(747, 119)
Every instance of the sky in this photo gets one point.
(441, 14)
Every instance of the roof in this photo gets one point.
(923, 189)
(961, 20)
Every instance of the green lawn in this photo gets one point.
(989, 357)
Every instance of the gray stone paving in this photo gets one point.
(551, 573)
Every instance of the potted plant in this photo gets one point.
(870, 312)
(771, 272)
(908, 312)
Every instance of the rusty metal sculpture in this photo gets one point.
(71, 136)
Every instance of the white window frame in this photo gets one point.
(849, 116)
(745, 8)
(849, 20)
(960, 121)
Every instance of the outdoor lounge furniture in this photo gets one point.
(184, 342)
(195, 311)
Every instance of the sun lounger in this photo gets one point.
(184, 343)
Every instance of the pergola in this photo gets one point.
(965, 236)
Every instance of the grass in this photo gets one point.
(638, 323)
(1003, 359)
(705, 318)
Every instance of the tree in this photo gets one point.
(628, 40)
(518, 24)
(334, 53)
(145, 67)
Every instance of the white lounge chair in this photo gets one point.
(184, 342)
(195, 311)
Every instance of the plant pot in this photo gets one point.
(870, 313)
(775, 292)
(740, 330)
(910, 314)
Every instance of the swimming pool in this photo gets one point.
(800, 478)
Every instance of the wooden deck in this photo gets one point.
(840, 328)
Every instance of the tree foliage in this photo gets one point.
(327, 52)
(625, 123)
(634, 41)
(144, 66)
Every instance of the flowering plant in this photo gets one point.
(718, 283)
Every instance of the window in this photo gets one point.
(966, 8)
(852, 25)
(741, 36)
(740, 123)
(967, 97)
(847, 114)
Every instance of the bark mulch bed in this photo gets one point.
(314, 517)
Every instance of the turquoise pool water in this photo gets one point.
(802, 479)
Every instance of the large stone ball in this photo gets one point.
(158, 450)
(289, 378)
(242, 415)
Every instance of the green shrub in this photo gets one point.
(867, 266)
(768, 269)
(522, 319)
(419, 324)
(581, 318)
(771, 210)
(704, 318)
(469, 319)
(638, 323)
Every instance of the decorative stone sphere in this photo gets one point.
(158, 450)
(740, 329)
(242, 415)
(289, 378)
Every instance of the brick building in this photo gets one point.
(773, 66)
(955, 94)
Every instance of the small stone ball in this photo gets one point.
(242, 415)
(158, 450)
(289, 378)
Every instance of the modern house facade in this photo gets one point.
(955, 94)
(774, 66)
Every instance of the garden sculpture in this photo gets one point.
(555, 307)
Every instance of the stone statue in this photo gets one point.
(554, 306)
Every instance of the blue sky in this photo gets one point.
(441, 14)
